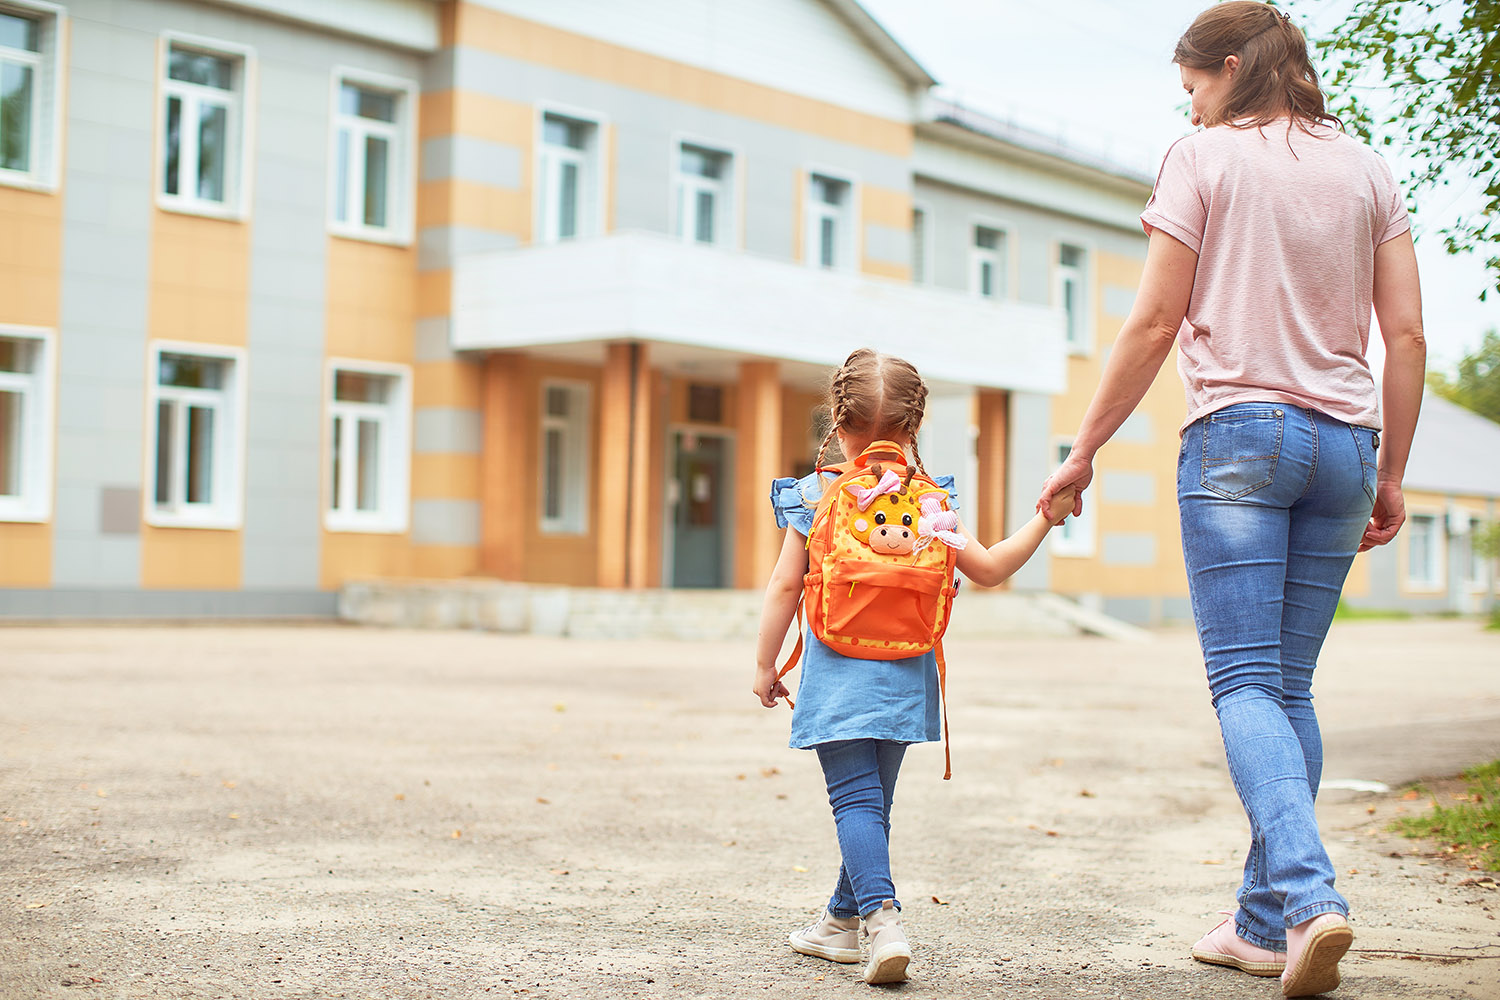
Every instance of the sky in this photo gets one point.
(1098, 75)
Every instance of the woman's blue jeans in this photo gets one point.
(1274, 500)
(861, 777)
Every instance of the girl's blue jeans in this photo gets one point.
(861, 777)
(1274, 500)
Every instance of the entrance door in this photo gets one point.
(699, 496)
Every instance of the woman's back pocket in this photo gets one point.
(1241, 445)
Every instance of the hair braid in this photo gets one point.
(916, 454)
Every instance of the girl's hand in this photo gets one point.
(1062, 504)
(767, 688)
(1075, 472)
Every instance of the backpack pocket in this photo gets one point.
(875, 603)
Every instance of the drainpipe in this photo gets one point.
(630, 459)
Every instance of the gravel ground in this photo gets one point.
(315, 812)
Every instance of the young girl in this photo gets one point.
(860, 715)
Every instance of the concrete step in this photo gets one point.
(597, 613)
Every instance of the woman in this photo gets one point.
(1272, 234)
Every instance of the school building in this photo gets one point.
(293, 295)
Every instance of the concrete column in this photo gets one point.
(758, 460)
(624, 467)
(503, 422)
(994, 431)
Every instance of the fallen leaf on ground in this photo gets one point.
(559, 871)
(940, 902)
(559, 707)
(35, 906)
(1409, 796)
(457, 834)
(229, 784)
(798, 868)
(1210, 861)
(234, 815)
(769, 772)
(542, 801)
(400, 797)
(1086, 794)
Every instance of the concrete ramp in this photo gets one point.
(597, 613)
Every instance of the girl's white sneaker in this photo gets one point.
(889, 952)
(833, 938)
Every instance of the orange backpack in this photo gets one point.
(880, 557)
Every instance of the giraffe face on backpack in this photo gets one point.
(889, 525)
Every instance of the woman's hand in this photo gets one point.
(767, 687)
(1387, 517)
(1076, 473)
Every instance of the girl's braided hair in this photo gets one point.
(878, 396)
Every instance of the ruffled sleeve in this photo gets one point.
(946, 482)
(794, 502)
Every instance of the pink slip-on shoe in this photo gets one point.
(1313, 950)
(1222, 946)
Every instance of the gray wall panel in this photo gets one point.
(888, 244)
(1136, 488)
(288, 291)
(445, 522)
(438, 430)
(1030, 463)
(432, 339)
(465, 158)
(105, 258)
(1128, 548)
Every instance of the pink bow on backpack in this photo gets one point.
(938, 523)
(889, 483)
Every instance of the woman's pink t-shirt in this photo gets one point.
(1285, 226)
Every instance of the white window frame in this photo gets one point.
(1075, 538)
(1083, 342)
(401, 175)
(239, 128)
(394, 416)
(1000, 259)
(1437, 582)
(49, 70)
(227, 508)
(727, 190)
(925, 231)
(847, 244)
(574, 519)
(1476, 570)
(38, 425)
(593, 169)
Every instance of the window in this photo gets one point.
(829, 240)
(1072, 295)
(25, 424)
(28, 93)
(1474, 565)
(197, 435)
(704, 198)
(1075, 536)
(1424, 556)
(369, 470)
(372, 150)
(202, 129)
(988, 263)
(565, 421)
(568, 178)
(919, 275)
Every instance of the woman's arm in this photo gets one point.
(990, 567)
(1398, 309)
(1137, 355)
(776, 615)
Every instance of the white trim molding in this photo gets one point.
(36, 436)
(49, 68)
(225, 507)
(392, 418)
